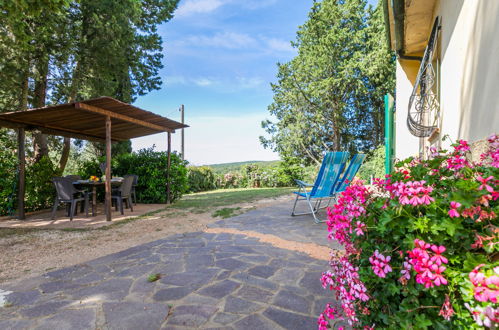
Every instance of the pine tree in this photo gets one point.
(329, 97)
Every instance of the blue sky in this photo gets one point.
(220, 57)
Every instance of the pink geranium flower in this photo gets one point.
(484, 184)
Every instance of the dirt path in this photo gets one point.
(38, 252)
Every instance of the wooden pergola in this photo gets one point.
(103, 119)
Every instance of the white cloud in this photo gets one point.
(190, 7)
(203, 82)
(279, 45)
(175, 80)
(228, 84)
(256, 4)
(251, 82)
(212, 140)
(230, 40)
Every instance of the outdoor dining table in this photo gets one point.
(94, 184)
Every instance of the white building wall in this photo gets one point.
(469, 75)
(406, 144)
(469, 68)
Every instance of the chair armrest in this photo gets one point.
(303, 184)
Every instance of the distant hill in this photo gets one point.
(232, 167)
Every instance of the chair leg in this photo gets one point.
(121, 205)
(116, 204)
(134, 196)
(314, 211)
(130, 203)
(294, 206)
(73, 209)
(54, 209)
(86, 205)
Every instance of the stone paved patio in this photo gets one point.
(209, 281)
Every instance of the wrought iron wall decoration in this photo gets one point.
(423, 111)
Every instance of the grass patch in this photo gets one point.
(153, 277)
(6, 232)
(203, 202)
(226, 212)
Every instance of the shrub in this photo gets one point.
(421, 247)
(201, 178)
(281, 174)
(374, 167)
(40, 191)
(151, 167)
(8, 168)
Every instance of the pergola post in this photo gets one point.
(108, 168)
(168, 165)
(21, 156)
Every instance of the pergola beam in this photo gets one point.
(21, 156)
(48, 129)
(111, 114)
(108, 168)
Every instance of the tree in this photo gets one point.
(329, 97)
(57, 51)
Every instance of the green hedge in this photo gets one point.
(374, 166)
(151, 167)
(201, 178)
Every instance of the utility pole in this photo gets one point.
(182, 133)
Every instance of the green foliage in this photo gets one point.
(151, 167)
(201, 178)
(234, 167)
(249, 175)
(40, 191)
(330, 96)
(374, 166)
(459, 217)
(8, 168)
(58, 51)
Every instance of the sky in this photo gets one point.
(220, 57)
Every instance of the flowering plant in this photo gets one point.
(421, 247)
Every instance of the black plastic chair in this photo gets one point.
(134, 184)
(75, 178)
(124, 193)
(68, 194)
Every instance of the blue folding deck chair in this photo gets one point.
(327, 179)
(350, 172)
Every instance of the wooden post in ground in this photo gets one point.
(182, 133)
(108, 168)
(21, 156)
(168, 165)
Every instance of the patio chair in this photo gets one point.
(134, 184)
(75, 178)
(327, 179)
(68, 194)
(124, 193)
(350, 173)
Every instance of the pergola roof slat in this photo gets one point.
(86, 120)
